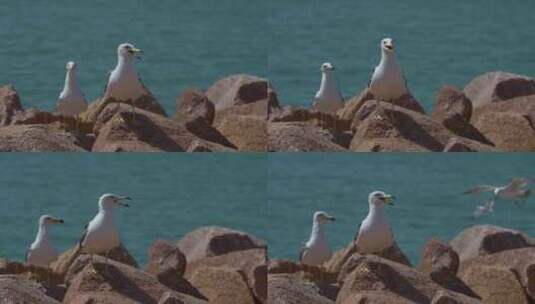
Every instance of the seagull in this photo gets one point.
(71, 101)
(515, 191)
(488, 207)
(41, 252)
(328, 98)
(124, 83)
(387, 82)
(101, 234)
(316, 250)
(375, 234)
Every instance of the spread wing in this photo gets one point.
(480, 188)
(517, 183)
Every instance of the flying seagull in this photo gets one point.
(124, 83)
(328, 98)
(41, 252)
(375, 234)
(316, 250)
(515, 191)
(387, 82)
(71, 101)
(488, 207)
(101, 234)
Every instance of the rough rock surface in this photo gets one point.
(300, 137)
(193, 103)
(14, 289)
(437, 254)
(247, 133)
(287, 289)
(283, 266)
(451, 100)
(9, 104)
(316, 118)
(37, 138)
(222, 285)
(486, 239)
(213, 241)
(498, 86)
(94, 110)
(447, 297)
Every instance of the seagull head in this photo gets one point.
(71, 65)
(326, 67)
(387, 45)
(379, 198)
(321, 217)
(111, 200)
(46, 220)
(127, 50)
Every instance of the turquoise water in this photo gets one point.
(437, 42)
(172, 195)
(427, 187)
(186, 43)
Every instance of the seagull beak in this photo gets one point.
(137, 53)
(331, 218)
(122, 198)
(57, 221)
(389, 199)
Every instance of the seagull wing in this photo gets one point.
(371, 78)
(82, 239)
(27, 255)
(518, 183)
(479, 189)
(106, 84)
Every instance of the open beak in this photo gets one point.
(389, 46)
(57, 221)
(389, 199)
(121, 199)
(137, 53)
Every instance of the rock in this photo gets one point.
(498, 86)
(283, 266)
(222, 285)
(495, 284)
(37, 138)
(9, 104)
(450, 100)
(212, 241)
(391, 128)
(114, 282)
(64, 263)
(30, 272)
(192, 103)
(200, 128)
(375, 274)
(521, 262)
(461, 127)
(456, 144)
(145, 132)
(351, 107)
(300, 137)
(177, 298)
(166, 261)
(446, 297)
(248, 133)
(287, 289)
(438, 255)
(316, 118)
(199, 146)
(14, 289)
(339, 260)
(251, 263)
(509, 125)
(482, 240)
(450, 281)
(147, 103)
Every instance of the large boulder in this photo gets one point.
(193, 103)
(142, 131)
(450, 100)
(448, 297)
(437, 254)
(9, 104)
(37, 138)
(316, 118)
(15, 289)
(251, 263)
(300, 137)
(222, 285)
(205, 132)
(483, 240)
(520, 262)
(94, 110)
(283, 266)
(498, 86)
(400, 282)
(386, 127)
(109, 281)
(288, 289)
(509, 124)
(213, 241)
(246, 132)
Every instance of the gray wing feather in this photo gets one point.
(83, 236)
(479, 189)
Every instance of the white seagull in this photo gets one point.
(71, 101)
(316, 250)
(41, 252)
(101, 234)
(375, 234)
(328, 98)
(124, 83)
(387, 82)
(515, 191)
